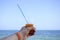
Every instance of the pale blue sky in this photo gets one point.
(44, 14)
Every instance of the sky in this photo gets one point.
(44, 14)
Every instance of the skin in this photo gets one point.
(25, 32)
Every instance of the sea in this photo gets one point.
(39, 34)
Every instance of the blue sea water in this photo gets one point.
(39, 34)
